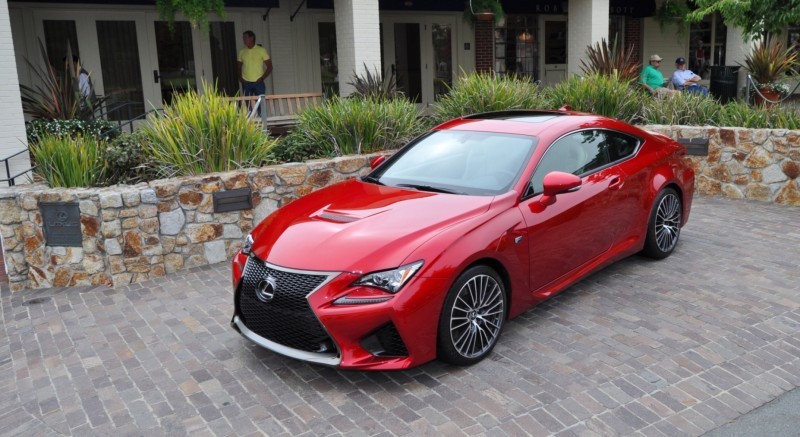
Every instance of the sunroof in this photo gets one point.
(523, 116)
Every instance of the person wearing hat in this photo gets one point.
(685, 79)
(653, 80)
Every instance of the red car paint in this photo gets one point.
(538, 244)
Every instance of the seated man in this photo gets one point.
(684, 79)
(653, 80)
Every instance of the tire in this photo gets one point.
(664, 225)
(472, 317)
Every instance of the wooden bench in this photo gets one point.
(279, 110)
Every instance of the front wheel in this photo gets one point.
(664, 225)
(472, 317)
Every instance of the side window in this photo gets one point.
(620, 146)
(575, 153)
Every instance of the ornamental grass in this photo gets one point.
(345, 126)
(203, 133)
(599, 94)
(67, 161)
(485, 92)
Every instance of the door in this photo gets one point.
(582, 225)
(420, 55)
(554, 55)
(173, 60)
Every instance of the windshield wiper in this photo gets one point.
(372, 179)
(429, 188)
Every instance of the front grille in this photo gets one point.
(287, 319)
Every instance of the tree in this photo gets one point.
(196, 11)
(754, 17)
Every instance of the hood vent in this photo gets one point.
(337, 217)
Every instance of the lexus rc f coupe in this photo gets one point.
(430, 253)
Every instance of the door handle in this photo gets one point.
(155, 76)
(616, 183)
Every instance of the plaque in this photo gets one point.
(62, 224)
(695, 146)
(233, 200)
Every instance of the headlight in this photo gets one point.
(247, 244)
(390, 280)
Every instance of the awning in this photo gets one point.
(558, 7)
(632, 8)
(228, 3)
(401, 5)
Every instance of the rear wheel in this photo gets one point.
(664, 226)
(472, 317)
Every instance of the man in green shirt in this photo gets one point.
(653, 80)
(254, 66)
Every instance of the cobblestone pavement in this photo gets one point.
(676, 347)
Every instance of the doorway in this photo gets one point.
(420, 56)
(554, 55)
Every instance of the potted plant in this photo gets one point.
(769, 62)
(483, 10)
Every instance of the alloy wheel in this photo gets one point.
(477, 316)
(668, 221)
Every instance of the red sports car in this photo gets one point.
(467, 226)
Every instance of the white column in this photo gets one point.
(12, 122)
(587, 23)
(358, 40)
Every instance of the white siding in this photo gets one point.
(12, 122)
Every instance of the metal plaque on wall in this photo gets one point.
(232, 200)
(62, 224)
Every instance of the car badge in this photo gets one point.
(265, 289)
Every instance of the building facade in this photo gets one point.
(139, 62)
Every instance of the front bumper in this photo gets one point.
(357, 333)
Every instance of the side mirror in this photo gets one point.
(376, 161)
(558, 182)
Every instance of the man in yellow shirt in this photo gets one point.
(254, 66)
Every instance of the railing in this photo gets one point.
(12, 179)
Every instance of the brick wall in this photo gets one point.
(484, 46)
(633, 37)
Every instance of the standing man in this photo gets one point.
(653, 80)
(254, 66)
(684, 79)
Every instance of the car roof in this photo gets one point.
(532, 122)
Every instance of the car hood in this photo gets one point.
(359, 227)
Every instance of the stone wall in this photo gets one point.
(757, 164)
(133, 233)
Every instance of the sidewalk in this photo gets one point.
(779, 418)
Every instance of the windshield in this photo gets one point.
(458, 162)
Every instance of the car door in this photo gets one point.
(574, 230)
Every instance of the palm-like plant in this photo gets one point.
(370, 85)
(607, 59)
(770, 61)
(57, 97)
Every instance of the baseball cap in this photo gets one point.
(655, 58)
(680, 61)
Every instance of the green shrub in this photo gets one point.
(484, 92)
(96, 128)
(198, 134)
(599, 94)
(292, 147)
(682, 109)
(352, 126)
(125, 160)
(65, 161)
(372, 85)
(758, 117)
